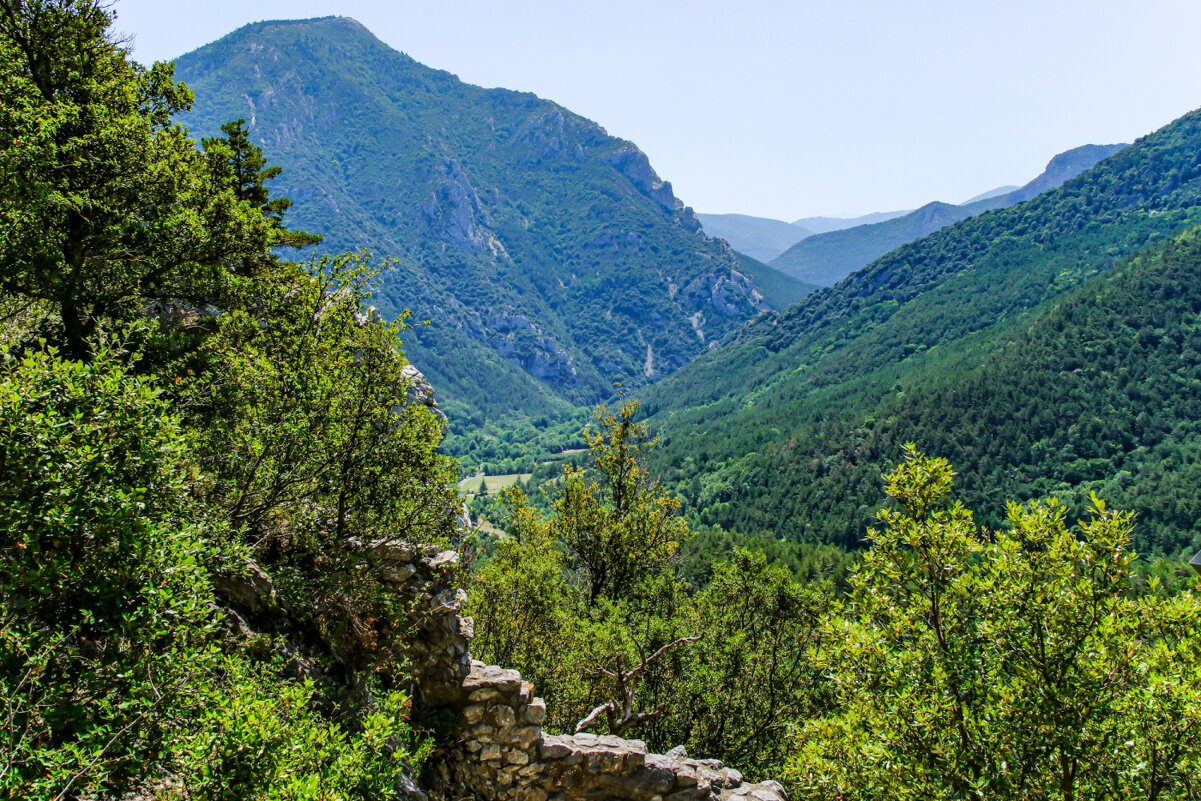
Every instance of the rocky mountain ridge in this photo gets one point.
(544, 252)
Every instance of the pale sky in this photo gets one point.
(791, 109)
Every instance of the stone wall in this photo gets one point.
(498, 750)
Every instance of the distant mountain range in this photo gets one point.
(1049, 347)
(1000, 190)
(823, 225)
(758, 237)
(824, 250)
(550, 259)
(826, 259)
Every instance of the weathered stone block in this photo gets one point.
(652, 779)
(553, 747)
(535, 713)
(525, 736)
(503, 716)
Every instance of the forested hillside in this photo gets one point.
(546, 254)
(827, 258)
(775, 431)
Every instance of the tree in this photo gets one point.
(1001, 664)
(756, 676)
(584, 602)
(239, 161)
(313, 448)
(104, 201)
(618, 524)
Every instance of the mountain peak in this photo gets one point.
(548, 255)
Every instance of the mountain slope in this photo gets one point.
(765, 434)
(1000, 190)
(823, 225)
(779, 290)
(760, 238)
(826, 259)
(548, 256)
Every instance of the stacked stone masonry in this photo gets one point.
(499, 750)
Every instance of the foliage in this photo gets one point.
(1001, 664)
(259, 739)
(284, 429)
(312, 448)
(619, 527)
(242, 163)
(104, 202)
(106, 600)
(755, 675)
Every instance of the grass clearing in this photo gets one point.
(471, 486)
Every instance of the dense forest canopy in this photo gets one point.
(974, 343)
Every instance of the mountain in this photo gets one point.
(779, 290)
(1000, 190)
(823, 225)
(760, 238)
(1057, 337)
(549, 257)
(826, 259)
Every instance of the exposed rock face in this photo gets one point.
(418, 390)
(636, 167)
(453, 210)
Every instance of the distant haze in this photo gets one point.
(789, 110)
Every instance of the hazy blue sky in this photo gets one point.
(792, 109)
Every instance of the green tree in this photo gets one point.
(618, 524)
(242, 163)
(1001, 664)
(104, 201)
(755, 677)
(314, 448)
(585, 601)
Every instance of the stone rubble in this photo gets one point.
(499, 750)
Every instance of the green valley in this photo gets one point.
(783, 430)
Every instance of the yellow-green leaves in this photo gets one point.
(1002, 664)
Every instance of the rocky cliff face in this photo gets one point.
(525, 234)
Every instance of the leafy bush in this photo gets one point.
(311, 448)
(106, 601)
(1013, 663)
(259, 739)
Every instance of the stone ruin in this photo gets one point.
(498, 750)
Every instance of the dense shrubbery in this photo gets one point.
(1009, 663)
(260, 414)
